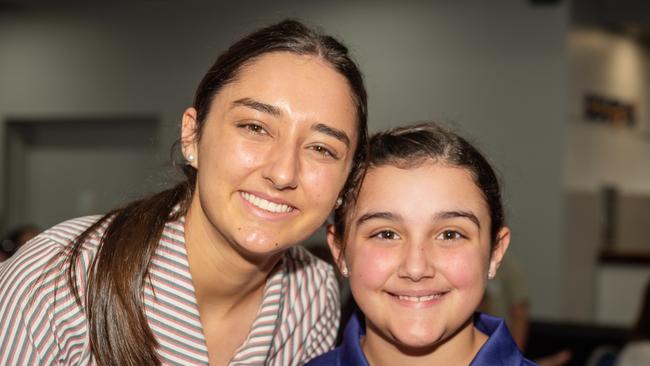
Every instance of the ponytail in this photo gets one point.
(117, 324)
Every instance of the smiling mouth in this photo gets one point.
(418, 299)
(266, 205)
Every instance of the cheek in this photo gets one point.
(321, 181)
(371, 268)
(238, 155)
(247, 152)
(465, 269)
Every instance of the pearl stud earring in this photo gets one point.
(345, 272)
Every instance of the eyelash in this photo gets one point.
(456, 235)
(257, 129)
(385, 235)
(254, 128)
(324, 151)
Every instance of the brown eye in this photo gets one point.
(386, 235)
(322, 150)
(253, 128)
(450, 235)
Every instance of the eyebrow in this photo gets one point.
(276, 112)
(258, 106)
(438, 216)
(334, 132)
(454, 214)
(378, 215)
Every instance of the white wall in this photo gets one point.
(495, 68)
(617, 67)
(620, 291)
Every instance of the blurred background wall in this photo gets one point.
(91, 97)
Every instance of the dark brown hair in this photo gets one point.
(411, 146)
(118, 328)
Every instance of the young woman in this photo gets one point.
(418, 245)
(208, 272)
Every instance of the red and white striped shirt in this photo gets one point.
(41, 324)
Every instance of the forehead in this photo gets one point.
(420, 191)
(308, 79)
(304, 88)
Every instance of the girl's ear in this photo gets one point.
(335, 248)
(189, 143)
(499, 250)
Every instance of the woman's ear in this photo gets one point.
(189, 143)
(335, 248)
(499, 250)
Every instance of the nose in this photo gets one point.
(417, 263)
(282, 167)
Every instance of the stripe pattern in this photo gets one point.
(41, 324)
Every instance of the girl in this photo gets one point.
(418, 245)
(207, 272)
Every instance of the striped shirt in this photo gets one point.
(41, 324)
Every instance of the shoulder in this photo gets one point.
(499, 348)
(41, 257)
(36, 306)
(310, 280)
(328, 359)
(349, 353)
(309, 288)
(64, 234)
(300, 262)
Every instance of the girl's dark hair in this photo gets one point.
(411, 146)
(118, 328)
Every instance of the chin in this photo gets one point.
(419, 341)
(260, 249)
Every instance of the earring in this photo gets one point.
(345, 272)
(190, 158)
(490, 275)
(339, 202)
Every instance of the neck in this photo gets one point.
(458, 349)
(223, 278)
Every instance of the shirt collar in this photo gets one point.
(500, 348)
(351, 351)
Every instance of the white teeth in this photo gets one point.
(265, 204)
(419, 298)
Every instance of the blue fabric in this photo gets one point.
(499, 349)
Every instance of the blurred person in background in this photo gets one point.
(637, 351)
(16, 238)
(507, 297)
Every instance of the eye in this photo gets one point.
(253, 128)
(386, 235)
(450, 235)
(322, 150)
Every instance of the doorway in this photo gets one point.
(65, 168)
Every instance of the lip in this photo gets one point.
(265, 213)
(418, 299)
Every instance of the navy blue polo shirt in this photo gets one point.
(499, 349)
